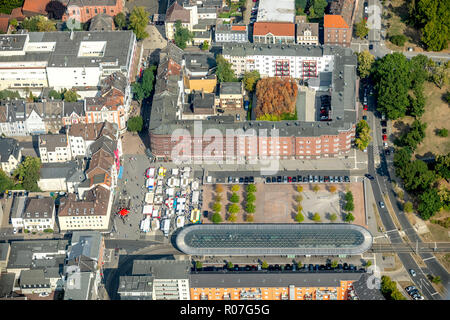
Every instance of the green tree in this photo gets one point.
(392, 78)
(361, 29)
(398, 39)
(138, 22)
(442, 166)
(235, 188)
(317, 8)
(349, 206)
(442, 132)
(368, 263)
(363, 137)
(316, 188)
(71, 95)
(348, 196)
(6, 6)
(28, 173)
(316, 217)
(230, 265)
(56, 95)
(299, 198)
(217, 207)
(414, 136)
(250, 208)
(299, 265)
(198, 264)
(300, 188)
(250, 198)
(408, 207)
(440, 75)
(120, 20)
(417, 104)
(14, 23)
(435, 35)
(9, 94)
(402, 158)
(299, 208)
(143, 88)
(421, 67)
(264, 265)
(436, 280)
(333, 217)
(224, 71)
(218, 197)
(205, 46)
(38, 24)
(429, 204)
(349, 218)
(182, 35)
(234, 198)
(249, 218)
(5, 182)
(365, 63)
(299, 217)
(216, 218)
(233, 209)
(417, 177)
(135, 124)
(334, 264)
(251, 188)
(232, 217)
(250, 79)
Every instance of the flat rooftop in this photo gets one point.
(276, 11)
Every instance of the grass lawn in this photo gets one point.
(437, 116)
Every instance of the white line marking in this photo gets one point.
(433, 257)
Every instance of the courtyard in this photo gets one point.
(278, 203)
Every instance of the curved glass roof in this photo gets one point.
(274, 239)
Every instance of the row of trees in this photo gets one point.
(349, 206)
(142, 88)
(64, 94)
(389, 289)
(363, 137)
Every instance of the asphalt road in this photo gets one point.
(411, 247)
(381, 185)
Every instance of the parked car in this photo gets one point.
(365, 107)
(230, 179)
(320, 179)
(384, 130)
(384, 123)
(274, 179)
(294, 179)
(370, 177)
(347, 179)
(410, 288)
(246, 180)
(316, 179)
(285, 179)
(241, 180)
(326, 179)
(289, 179)
(279, 179)
(251, 179)
(364, 118)
(387, 151)
(384, 137)
(299, 179)
(412, 272)
(268, 180)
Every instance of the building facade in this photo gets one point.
(10, 154)
(273, 32)
(54, 148)
(85, 10)
(307, 33)
(231, 33)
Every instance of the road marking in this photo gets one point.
(391, 230)
(433, 257)
(435, 293)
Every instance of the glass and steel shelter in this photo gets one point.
(274, 239)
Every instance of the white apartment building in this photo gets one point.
(270, 60)
(64, 59)
(54, 148)
(10, 154)
(33, 214)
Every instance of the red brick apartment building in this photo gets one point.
(338, 25)
(84, 10)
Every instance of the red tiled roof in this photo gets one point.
(36, 6)
(275, 28)
(4, 23)
(238, 28)
(17, 14)
(334, 21)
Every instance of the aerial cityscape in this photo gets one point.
(224, 150)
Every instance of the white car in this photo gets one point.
(15, 230)
(381, 204)
(412, 272)
(43, 294)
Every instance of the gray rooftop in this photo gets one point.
(71, 171)
(33, 279)
(117, 50)
(4, 251)
(136, 284)
(230, 88)
(8, 147)
(199, 62)
(53, 141)
(162, 269)
(274, 239)
(18, 207)
(78, 286)
(362, 289)
(86, 243)
(278, 280)
(227, 28)
(22, 251)
(39, 208)
(6, 283)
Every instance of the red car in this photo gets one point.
(289, 179)
(365, 107)
(384, 137)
